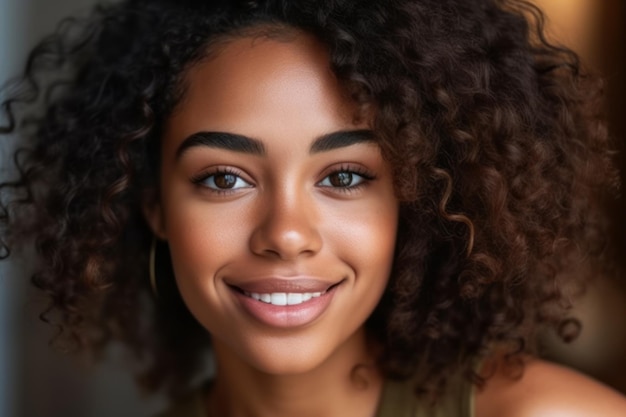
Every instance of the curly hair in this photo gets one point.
(498, 151)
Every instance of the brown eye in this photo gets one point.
(225, 180)
(340, 179)
(222, 181)
(345, 179)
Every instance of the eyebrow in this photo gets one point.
(222, 140)
(243, 144)
(341, 139)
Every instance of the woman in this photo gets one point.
(369, 207)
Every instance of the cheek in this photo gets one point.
(203, 237)
(366, 234)
(364, 239)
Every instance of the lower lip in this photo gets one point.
(289, 315)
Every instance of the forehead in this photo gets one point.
(261, 86)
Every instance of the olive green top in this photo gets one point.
(398, 400)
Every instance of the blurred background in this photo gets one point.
(596, 29)
(37, 381)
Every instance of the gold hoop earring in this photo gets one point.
(152, 266)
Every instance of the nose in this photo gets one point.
(286, 227)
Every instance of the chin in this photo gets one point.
(289, 356)
(285, 354)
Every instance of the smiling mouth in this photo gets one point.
(285, 303)
(284, 299)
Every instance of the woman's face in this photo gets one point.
(278, 210)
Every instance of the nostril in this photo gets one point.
(287, 226)
(285, 245)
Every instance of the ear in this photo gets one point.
(153, 213)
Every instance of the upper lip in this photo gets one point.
(284, 285)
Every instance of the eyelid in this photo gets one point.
(199, 178)
(356, 169)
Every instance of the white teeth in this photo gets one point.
(294, 298)
(279, 299)
(283, 299)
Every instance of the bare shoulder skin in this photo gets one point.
(548, 390)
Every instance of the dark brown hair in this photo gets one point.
(499, 156)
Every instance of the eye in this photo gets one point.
(345, 179)
(223, 180)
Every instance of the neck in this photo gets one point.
(346, 384)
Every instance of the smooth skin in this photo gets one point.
(265, 173)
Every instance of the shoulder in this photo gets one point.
(547, 390)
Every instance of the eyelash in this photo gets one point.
(366, 178)
(199, 179)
